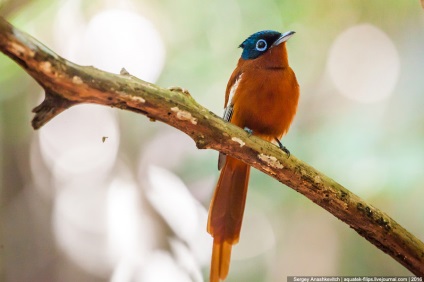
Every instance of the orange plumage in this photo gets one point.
(264, 96)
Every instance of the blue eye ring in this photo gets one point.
(261, 45)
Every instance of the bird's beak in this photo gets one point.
(283, 38)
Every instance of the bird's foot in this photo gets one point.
(282, 147)
(248, 130)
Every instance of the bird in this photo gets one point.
(261, 97)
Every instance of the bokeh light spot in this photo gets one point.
(177, 206)
(72, 143)
(118, 38)
(364, 64)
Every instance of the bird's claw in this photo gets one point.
(286, 151)
(248, 130)
(282, 147)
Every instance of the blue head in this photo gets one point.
(261, 41)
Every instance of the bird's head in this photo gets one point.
(260, 42)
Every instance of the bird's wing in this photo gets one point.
(232, 85)
(228, 112)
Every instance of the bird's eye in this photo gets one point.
(261, 45)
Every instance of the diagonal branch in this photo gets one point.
(67, 84)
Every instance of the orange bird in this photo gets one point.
(261, 97)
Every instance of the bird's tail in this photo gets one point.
(226, 214)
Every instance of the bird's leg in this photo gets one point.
(282, 147)
(248, 130)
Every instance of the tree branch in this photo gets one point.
(67, 84)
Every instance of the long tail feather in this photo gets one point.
(226, 214)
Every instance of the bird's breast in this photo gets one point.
(265, 101)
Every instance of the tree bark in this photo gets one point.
(67, 84)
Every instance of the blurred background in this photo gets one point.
(100, 194)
